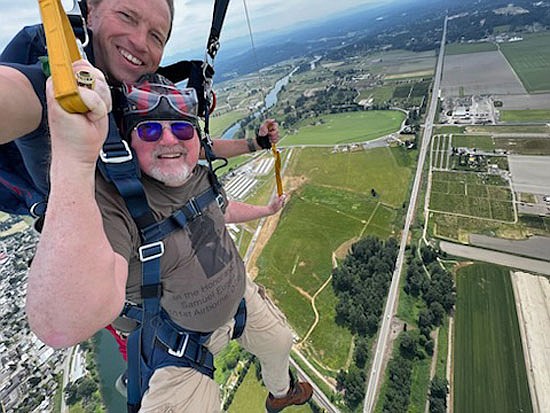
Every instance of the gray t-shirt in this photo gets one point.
(203, 276)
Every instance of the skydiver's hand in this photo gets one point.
(268, 133)
(277, 203)
(79, 137)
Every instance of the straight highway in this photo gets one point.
(382, 344)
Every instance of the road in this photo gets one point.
(66, 374)
(375, 373)
(495, 257)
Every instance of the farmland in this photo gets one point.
(535, 115)
(479, 74)
(489, 373)
(469, 194)
(464, 48)
(530, 59)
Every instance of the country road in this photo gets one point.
(378, 363)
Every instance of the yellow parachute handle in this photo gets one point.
(277, 156)
(62, 52)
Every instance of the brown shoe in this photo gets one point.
(299, 393)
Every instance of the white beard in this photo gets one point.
(172, 178)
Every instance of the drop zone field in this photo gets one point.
(346, 128)
(332, 206)
(489, 368)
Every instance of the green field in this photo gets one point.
(489, 368)
(530, 59)
(521, 146)
(463, 48)
(251, 395)
(469, 194)
(484, 143)
(332, 207)
(346, 128)
(539, 115)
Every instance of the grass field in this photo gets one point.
(463, 48)
(251, 395)
(384, 169)
(530, 59)
(489, 369)
(331, 208)
(346, 128)
(540, 115)
(484, 143)
(218, 124)
(520, 146)
(469, 194)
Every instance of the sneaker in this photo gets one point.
(121, 384)
(299, 393)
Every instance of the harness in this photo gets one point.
(157, 341)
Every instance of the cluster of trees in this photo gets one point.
(439, 388)
(425, 280)
(361, 284)
(428, 280)
(81, 390)
(398, 391)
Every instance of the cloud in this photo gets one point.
(192, 18)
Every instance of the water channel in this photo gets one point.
(110, 365)
(270, 101)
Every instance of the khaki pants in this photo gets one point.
(266, 335)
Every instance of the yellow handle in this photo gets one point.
(62, 52)
(277, 157)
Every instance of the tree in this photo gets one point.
(361, 353)
(407, 346)
(437, 312)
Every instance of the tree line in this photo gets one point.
(428, 281)
(361, 285)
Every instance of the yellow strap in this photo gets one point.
(62, 52)
(277, 157)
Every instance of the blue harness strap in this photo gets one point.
(157, 341)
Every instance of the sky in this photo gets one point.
(192, 18)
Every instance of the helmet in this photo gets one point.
(152, 97)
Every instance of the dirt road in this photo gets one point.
(533, 307)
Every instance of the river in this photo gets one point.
(110, 365)
(270, 101)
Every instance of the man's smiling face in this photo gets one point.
(129, 36)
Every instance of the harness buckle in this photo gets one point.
(151, 251)
(220, 201)
(120, 155)
(195, 208)
(181, 352)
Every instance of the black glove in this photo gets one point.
(263, 141)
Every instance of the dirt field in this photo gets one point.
(524, 102)
(480, 74)
(533, 304)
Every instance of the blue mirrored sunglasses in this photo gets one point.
(151, 131)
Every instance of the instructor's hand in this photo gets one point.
(79, 137)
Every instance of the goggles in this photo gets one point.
(145, 99)
(151, 131)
